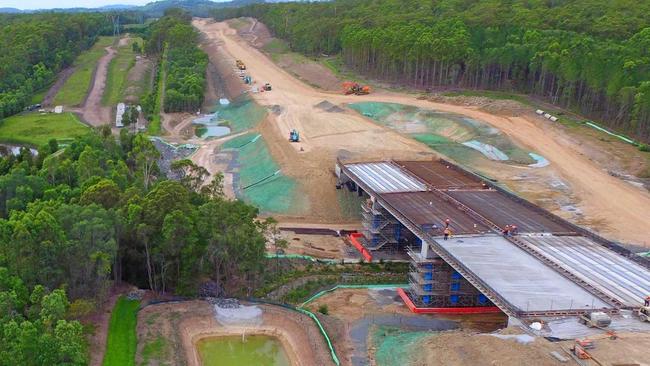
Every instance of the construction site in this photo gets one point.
(358, 175)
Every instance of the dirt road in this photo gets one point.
(621, 207)
(92, 110)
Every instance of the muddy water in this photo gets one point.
(231, 351)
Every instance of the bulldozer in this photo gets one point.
(294, 136)
(240, 65)
(644, 311)
(350, 87)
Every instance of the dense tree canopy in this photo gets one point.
(37, 46)
(588, 55)
(174, 39)
(100, 210)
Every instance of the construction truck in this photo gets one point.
(350, 87)
(595, 319)
(240, 65)
(267, 87)
(644, 311)
(294, 136)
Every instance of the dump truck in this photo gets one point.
(595, 319)
(240, 65)
(350, 87)
(294, 136)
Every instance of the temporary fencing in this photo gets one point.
(626, 139)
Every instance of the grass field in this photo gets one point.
(37, 129)
(76, 87)
(121, 342)
(118, 70)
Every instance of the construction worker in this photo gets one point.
(646, 301)
(447, 222)
(446, 233)
(506, 230)
(513, 230)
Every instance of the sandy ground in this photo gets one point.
(60, 81)
(92, 111)
(312, 73)
(614, 207)
(319, 246)
(181, 325)
(465, 348)
(139, 70)
(348, 307)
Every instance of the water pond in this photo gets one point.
(231, 351)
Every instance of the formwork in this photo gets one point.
(612, 274)
(440, 174)
(501, 210)
(427, 209)
(519, 278)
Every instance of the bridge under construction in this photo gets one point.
(475, 247)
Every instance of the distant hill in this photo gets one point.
(156, 9)
(10, 10)
(200, 8)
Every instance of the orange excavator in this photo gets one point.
(350, 87)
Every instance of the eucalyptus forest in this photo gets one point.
(591, 56)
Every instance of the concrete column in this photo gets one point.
(424, 250)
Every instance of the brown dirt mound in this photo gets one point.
(464, 348)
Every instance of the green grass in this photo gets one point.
(121, 342)
(38, 96)
(154, 350)
(76, 87)
(276, 45)
(118, 70)
(37, 129)
(490, 94)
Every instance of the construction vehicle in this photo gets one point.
(267, 87)
(294, 136)
(240, 65)
(350, 87)
(595, 319)
(644, 311)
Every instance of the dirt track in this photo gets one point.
(92, 110)
(619, 206)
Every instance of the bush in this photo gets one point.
(323, 309)
(644, 147)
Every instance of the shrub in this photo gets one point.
(323, 309)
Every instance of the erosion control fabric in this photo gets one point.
(463, 139)
(241, 114)
(259, 179)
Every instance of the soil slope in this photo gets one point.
(617, 207)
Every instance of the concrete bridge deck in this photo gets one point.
(528, 275)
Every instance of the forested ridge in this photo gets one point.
(592, 56)
(173, 37)
(36, 47)
(75, 219)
